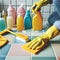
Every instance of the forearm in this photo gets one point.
(50, 33)
(45, 2)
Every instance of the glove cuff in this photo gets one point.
(50, 33)
(57, 25)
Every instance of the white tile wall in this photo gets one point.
(0, 2)
(35, 1)
(6, 2)
(46, 10)
(20, 1)
(29, 2)
(13, 2)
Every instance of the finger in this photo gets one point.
(32, 44)
(36, 9)
(40, 46)
(28, 44)
(38, 43)
(33, 11)
(33, 6)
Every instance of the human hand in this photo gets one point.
(36, 43)
(36, 7)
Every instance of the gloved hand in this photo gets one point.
(40, 42)
(37, 43)
(37, 5)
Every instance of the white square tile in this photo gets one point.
(35, 1)
(46, 8)
(6, 2)
(20, 2)
(5, 7)
(1, 2)
(13, 2)
(29, 2)
(52, 8)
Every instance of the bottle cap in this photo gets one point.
(21, 5)
(3, 12)
(28, 8)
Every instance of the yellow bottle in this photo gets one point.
(9, 21)
(37, 22)
(20, 22)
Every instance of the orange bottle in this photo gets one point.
(37, 22)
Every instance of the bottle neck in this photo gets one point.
(38, 13)
(27, 12)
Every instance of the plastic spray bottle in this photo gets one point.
(20, 22)
(37, 21)
(27, 19)
(11, 9)
(4, 14)
(9, 21)
(21, 10)
(2, 24)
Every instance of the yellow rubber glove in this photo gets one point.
(37, 5)
(41, 41)
(3, 41)
(36, 43)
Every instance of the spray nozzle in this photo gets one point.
(28, 8)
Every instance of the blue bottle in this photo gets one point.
(27, 19)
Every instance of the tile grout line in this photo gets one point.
(54, 52)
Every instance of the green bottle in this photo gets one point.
(2, 24)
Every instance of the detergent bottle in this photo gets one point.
(4, 14)
(37, 21)
(27, 19)
(21, 10)
(20, 22)
(9, 21)
(11, 9)
(2, 24)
